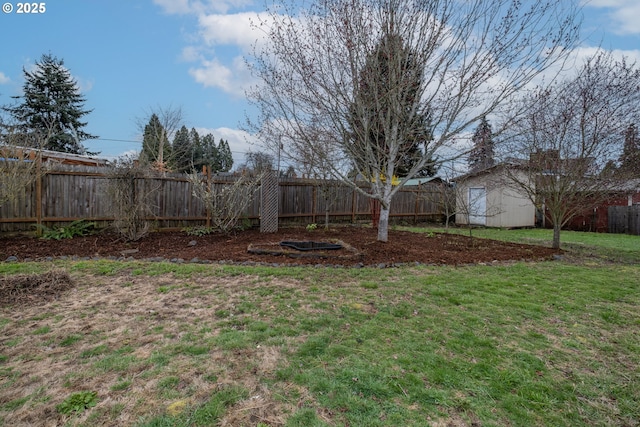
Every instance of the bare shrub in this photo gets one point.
(130, 198)
(18, 170)
(226, 202)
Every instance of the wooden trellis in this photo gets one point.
(269, 203)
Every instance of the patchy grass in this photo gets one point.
(520, 344)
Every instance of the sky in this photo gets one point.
(131, 57)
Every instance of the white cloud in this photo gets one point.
(581, 54)
(235, 29)
(174, 7)
(223, 69)
(234, 78)
(625, 13)
(4, 79)
(123, 156)
(191, 54)
(183, 7)
(232, 36)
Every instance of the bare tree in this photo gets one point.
(454, 62)
(257, 163)
(572, 131)
(445, 197)
(158, 128)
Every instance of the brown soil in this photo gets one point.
(360, 248)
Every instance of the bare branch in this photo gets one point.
(567, 143)
(470, 58)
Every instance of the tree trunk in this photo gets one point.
(383, 224)
(326, 217)
(556, 235)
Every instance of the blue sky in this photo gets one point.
(131, 56)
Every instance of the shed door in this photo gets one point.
(478, 206)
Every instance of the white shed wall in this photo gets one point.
(506, 206)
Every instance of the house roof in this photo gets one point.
(64, 158)
(511, 163)
(423, 180)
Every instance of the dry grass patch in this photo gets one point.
(141, 343)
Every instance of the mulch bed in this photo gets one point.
(361, 248)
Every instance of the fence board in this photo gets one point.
(72, 192)
(624, 219)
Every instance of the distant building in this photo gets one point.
(11, 152)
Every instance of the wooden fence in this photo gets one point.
(624, 219)
(68, 193)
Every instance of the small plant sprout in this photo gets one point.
(78, 402)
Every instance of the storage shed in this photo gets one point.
(490, 198)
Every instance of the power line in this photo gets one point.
(140, 142)
(113, 140)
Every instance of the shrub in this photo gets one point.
(225, 202)
(130, 196)
(200, 230)
(76, 228)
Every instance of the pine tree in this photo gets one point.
(388, 87)
(210, 153)
(225, 156)
(197, 151)
(630, 157)
(482, 154)
(155, 144)
(182, 151)
(52, 108)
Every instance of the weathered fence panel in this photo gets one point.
(67, 193)
(624, 219)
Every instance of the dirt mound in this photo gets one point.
(32, 288)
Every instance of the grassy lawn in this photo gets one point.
(521, 344)
(619, 248)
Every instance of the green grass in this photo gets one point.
(610, 247)
(546, 344)
(206, 414)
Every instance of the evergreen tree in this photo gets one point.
(482, 154)
(182, 151)
(52, 108)
(224, 155)
(155, 143)
(388, 87)
(210, 153)
(197, 151)
(630, 157)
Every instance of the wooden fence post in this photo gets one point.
(415, 210)
(206, 171)
(39, 194)
(354, 200)
(314, 202)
